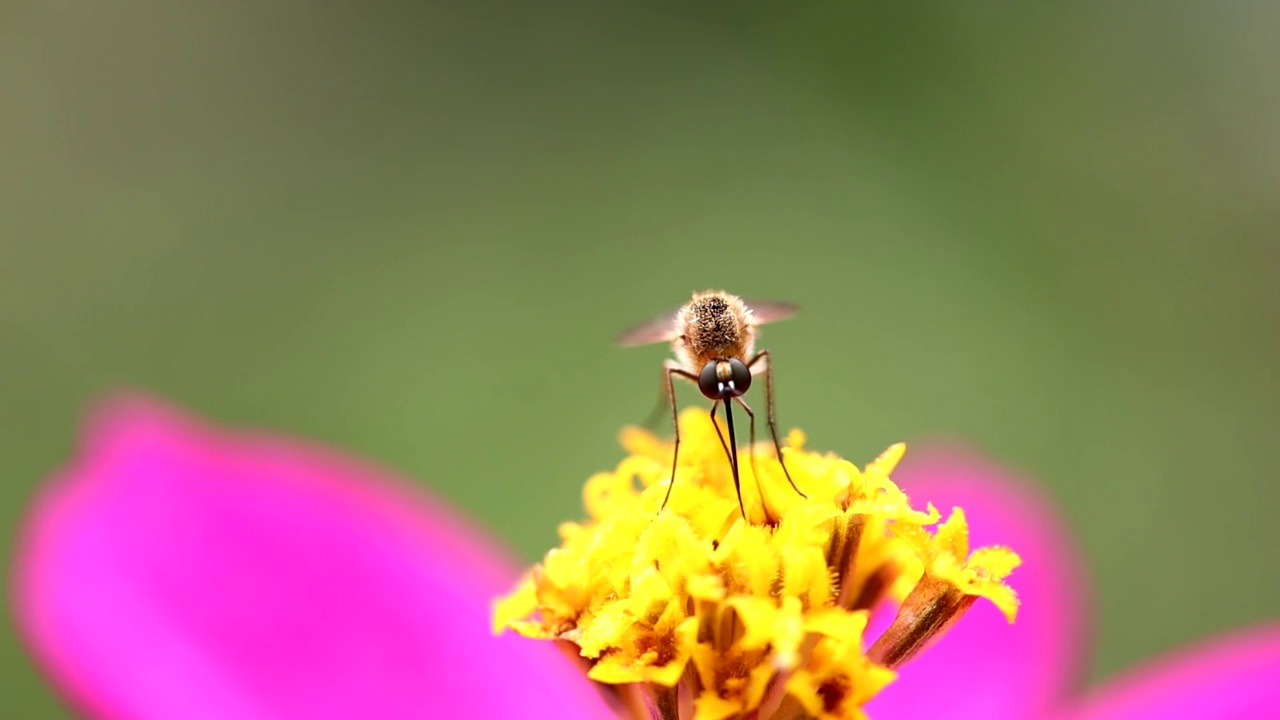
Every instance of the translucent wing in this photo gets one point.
(657, 329)
(767, 311)
(662, 328)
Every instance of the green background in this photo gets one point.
(413, 231)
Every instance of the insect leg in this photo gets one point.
(733, 442)
(655, 415)
(773, 424)
(671, 369)
(723, 443)
(752, 448)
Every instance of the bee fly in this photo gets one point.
(713, 337)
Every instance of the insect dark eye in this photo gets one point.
(724, 379)
(741, 376)
(709, 381)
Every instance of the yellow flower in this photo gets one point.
(693, 612)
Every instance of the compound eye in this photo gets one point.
(741, 376)
(709, 381)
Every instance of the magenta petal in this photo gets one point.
(985, 668)
(1233, 677)
(178, 571)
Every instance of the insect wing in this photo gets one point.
(767, 311)
(656, 329)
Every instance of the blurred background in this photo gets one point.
(412, 229)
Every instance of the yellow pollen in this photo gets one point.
(693, 613)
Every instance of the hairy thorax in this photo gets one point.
(715, 326)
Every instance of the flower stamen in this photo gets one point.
(693, 613)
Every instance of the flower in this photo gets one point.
(176, 570)
(695, 612)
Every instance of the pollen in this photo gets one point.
(692, 612)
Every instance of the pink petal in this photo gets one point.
(985, 668)
(1233, 677)
(179, 571)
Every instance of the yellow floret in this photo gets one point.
(697, 608)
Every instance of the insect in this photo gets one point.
(713, 337)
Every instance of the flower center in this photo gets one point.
(693, 613)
